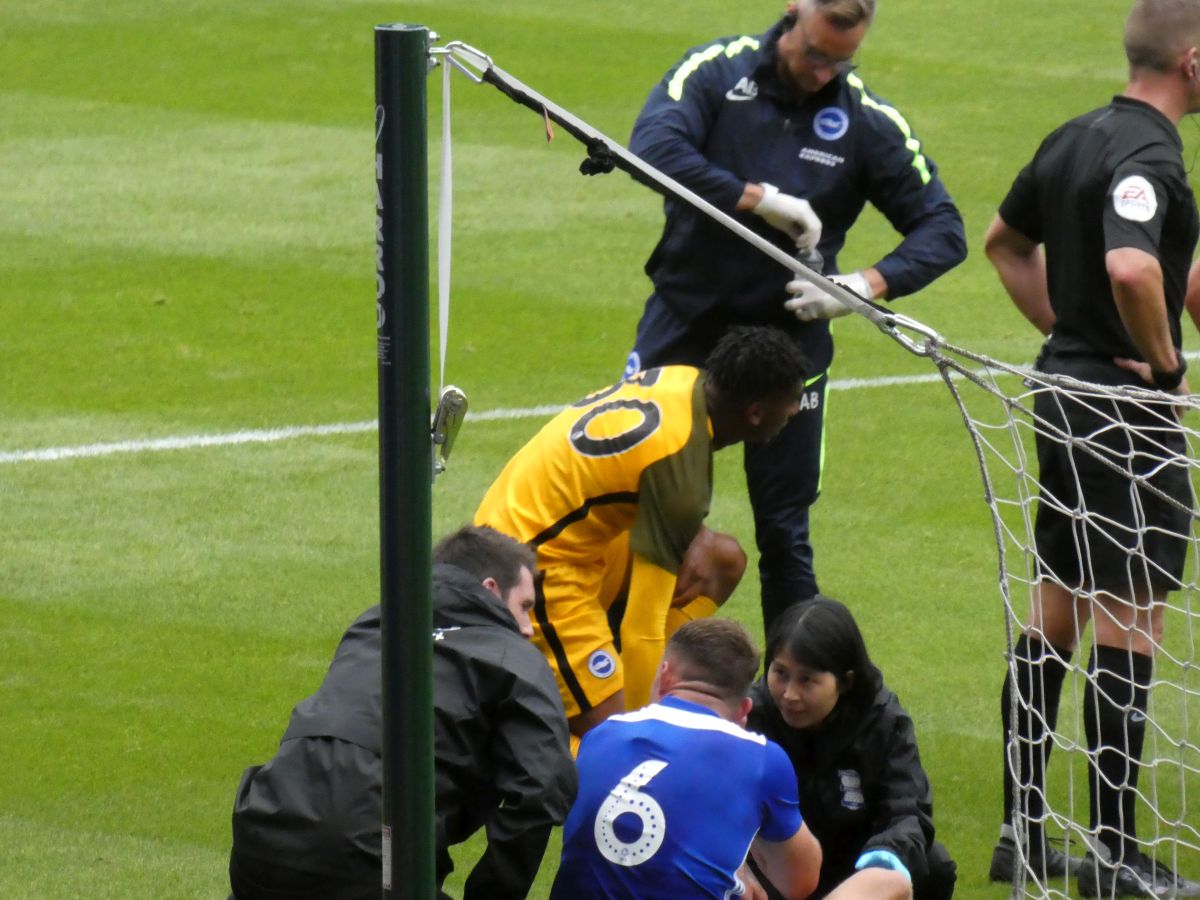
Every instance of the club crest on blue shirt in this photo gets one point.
(852, 795)
(831, 123)
(633, 365)
(601, 664)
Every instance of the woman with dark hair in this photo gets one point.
(863, 791)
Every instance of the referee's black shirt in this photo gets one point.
(1109, 179)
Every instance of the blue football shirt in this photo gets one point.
(670, 798)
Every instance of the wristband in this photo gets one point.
(1168, 381)
(883, 859)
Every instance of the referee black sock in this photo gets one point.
(1115, 723)
(1040, 669)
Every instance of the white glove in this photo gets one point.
(810, 301)
(791, 215)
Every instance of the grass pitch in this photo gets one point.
(186, 249)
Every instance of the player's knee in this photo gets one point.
(733, 558)
(712, 567)
(731, 562)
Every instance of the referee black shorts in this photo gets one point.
(1116, 518)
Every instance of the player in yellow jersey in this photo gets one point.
(612, 494)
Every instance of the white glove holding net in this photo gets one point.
(810, 301)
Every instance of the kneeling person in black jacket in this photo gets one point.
(307, 824)
(863, 791)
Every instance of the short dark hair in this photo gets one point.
(821, 634)
(754, 362)
(486, 553)
(717, 652)
(1157, 31)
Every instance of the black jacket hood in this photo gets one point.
(460, 600)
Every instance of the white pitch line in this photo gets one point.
(272, 435)
(184, 442)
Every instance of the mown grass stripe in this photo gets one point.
(271, 435)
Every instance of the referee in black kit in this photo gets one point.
(1093, 243)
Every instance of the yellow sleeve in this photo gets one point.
(644, 628)
(674, 492)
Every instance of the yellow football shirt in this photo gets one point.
(633, 458)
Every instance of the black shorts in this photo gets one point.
(1118, 518)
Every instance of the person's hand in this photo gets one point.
(810, 301)
(1143, 371)
(791, 215)
(754, 890)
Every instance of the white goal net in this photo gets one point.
(1144, 449)
(1004, 408)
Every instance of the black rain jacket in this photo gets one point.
(502, 753)
(861, 783)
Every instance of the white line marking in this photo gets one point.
(271, 435)
(851, 384)
(266, 436)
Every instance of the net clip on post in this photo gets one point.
(471, 62)
(447, 419)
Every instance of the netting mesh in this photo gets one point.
(1145, 451)
(1131, 543)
